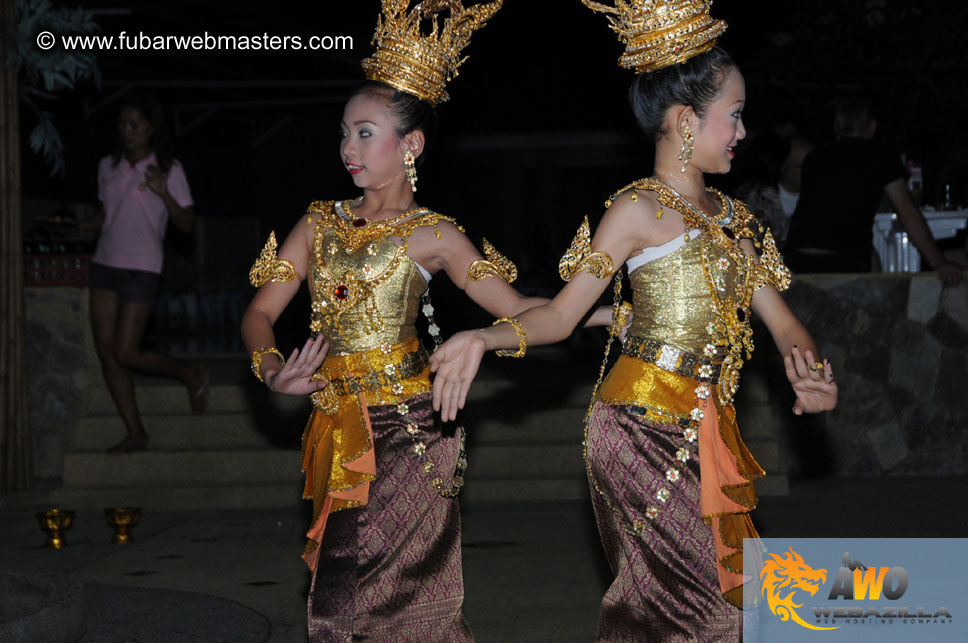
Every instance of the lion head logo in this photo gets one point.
(782, 578)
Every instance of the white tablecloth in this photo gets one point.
(895, 248)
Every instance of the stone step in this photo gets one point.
(162, 498)
(249, 496)
(173, 398)
(185, 432)
(230, 431)
(476, 490)
(181, 469)
(511, 426)
(570, 488)
(156, 395)
(525, 462)
(767, 453)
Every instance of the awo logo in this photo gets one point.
(784, 576)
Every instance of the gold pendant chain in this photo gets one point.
(345, 212)
(726, 211)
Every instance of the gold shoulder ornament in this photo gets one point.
(579, 257)
(496, 264)
(270, 268)
(771, 270)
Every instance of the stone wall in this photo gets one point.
(60, 365)
(899, 347)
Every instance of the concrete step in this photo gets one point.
(525, 462)
(570, 488)
(511, 426)
(773, 485)
(477, 490)
(160, 498)
(767, 453)
(167, 397)
(186, 432)
(181, 469)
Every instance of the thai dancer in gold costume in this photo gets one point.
(671, 480)
(384, 544)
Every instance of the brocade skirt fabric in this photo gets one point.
(391, 570)
(666, 586)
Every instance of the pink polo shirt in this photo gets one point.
(135, 217)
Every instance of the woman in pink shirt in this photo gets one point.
(139, 185)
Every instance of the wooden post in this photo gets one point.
(16, 452)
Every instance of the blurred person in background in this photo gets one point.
(774, 190)
(140, 185)
(841, 188)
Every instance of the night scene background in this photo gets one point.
(537, 133)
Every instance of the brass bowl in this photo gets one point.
(54, 523)
(122, 519)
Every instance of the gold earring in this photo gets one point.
(408, 162)
(688, 142)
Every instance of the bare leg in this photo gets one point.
(130, 330)
(104, 313)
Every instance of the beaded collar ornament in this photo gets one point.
(661, 33)
(419, 64)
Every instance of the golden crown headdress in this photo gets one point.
(419, 64)
(661, 33)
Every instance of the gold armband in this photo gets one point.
(620, 318)
(579, 257)
(520, 332)
(495, 264)
(268, 267)
(771, 270)
(257, 360)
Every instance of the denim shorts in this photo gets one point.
(139, 286)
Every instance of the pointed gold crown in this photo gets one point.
(419, 64)
(661, 33)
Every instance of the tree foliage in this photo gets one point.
(44, 73)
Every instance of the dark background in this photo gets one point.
(538, 132)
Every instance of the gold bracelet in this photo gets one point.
(257, 360)
(522, 337)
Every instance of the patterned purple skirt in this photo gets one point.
(391, 570)
(666, 586)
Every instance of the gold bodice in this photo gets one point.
(671, 299)
(697, 298)
(365, 289)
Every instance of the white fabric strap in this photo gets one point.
(657, 252)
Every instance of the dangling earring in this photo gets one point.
(688, 141)
(408, 162)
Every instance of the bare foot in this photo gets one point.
(129, 445)
(198, 389)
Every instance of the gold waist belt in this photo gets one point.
(671, 358)
(388, 374)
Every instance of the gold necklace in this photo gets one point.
(726, 209)
(346, 213)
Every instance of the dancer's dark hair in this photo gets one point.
(696, 83)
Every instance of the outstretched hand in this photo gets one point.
(297, 375)
(813, 384)
(455, 362)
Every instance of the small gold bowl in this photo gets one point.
(122, 519)
(54, 523)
